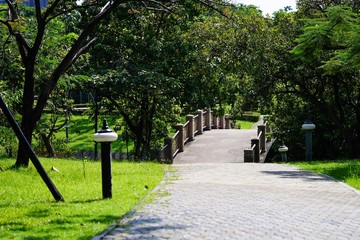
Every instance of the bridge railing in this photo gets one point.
(259, 144)
(195, 125)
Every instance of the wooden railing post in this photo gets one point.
(255, 142)
(190, 119)
(180, 128)
(169, 154)
(222, 122)
(262, 138)
(248, 155)
(200, 121)
(208, 119)
(265, 118)
(227, 121)
(214, 120)
(268, 130)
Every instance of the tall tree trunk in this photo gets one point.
(351, 143)
(27, 122)
(27, 127)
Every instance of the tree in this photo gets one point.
(331, 84)
(315, 8)
(30, 47)
(139, 69)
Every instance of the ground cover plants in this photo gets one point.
(28, 210)
(347, 171)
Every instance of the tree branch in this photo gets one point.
(51, 8)
(77, 48)
(81, 51)
(164, 7)
(49, 18)
(126, 117)
(23, 46)
(13, 14)
(38, 10)
(208, 3)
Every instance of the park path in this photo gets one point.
(213, 195)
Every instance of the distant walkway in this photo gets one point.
(215, 196)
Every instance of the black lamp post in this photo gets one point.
(106, 136)
(308, 127)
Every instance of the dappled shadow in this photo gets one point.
(58, 225)
(87, 200)
(136, 227)
(39, 213)
(46, 237)
(299, 174)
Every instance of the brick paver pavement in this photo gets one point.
(230, 200)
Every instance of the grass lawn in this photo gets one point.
(244, 124)
(28, 210)
(81, 134)
(347, 171)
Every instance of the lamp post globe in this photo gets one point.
(106, 136)
(308, 126)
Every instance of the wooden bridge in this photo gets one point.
(207, 138)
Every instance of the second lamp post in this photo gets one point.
(106, 136)
(308, 127)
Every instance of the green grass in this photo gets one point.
(28, 210)
(81, 134)
(347, 171)
(241, 124)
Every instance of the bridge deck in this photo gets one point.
(217, 146)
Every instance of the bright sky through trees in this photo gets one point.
(267, 6)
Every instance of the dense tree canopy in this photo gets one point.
(156, 57)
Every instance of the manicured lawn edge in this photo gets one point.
(344, 171)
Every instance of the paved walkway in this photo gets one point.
(232, 200)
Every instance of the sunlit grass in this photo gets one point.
(81, 134)
(28, 210)
(244, 124)
(347, 171)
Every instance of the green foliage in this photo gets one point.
(140, 67)
(29, 214)
(156, 62)
(325, 77)
(347, 171)
(328, 39)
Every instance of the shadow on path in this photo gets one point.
(300, 174)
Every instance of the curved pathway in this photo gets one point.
(212, 196)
